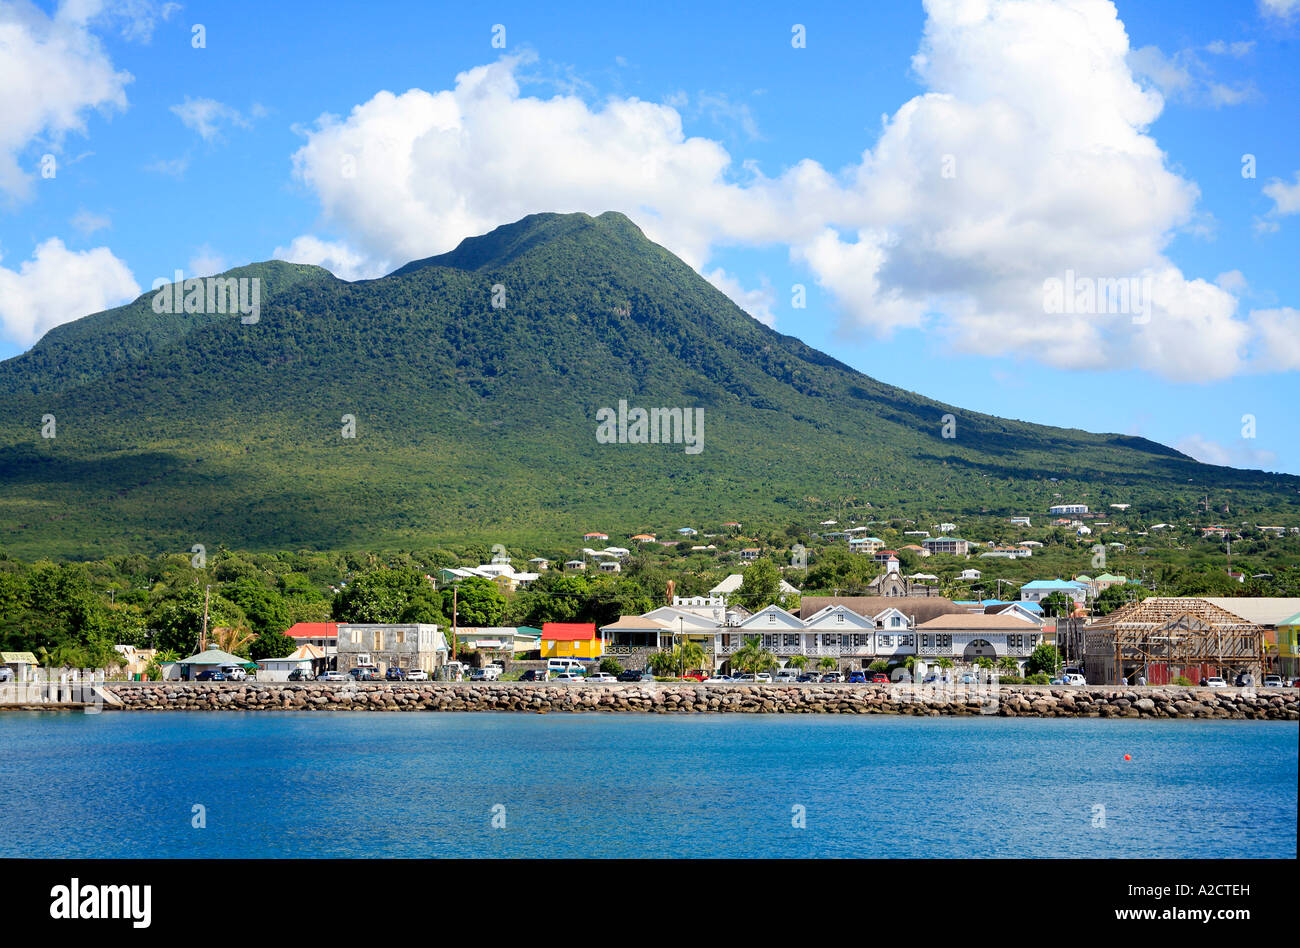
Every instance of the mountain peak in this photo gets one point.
(508, 242)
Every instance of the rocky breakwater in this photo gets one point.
(677, 697)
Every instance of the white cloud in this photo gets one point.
(52, 70)
(1286, 197)
(207, 262)
(136, 19)
(757, 302)
(87, 223)
(1186, 77)
(1028, 156)
(209, 117)
(1278, 339)
(1280, 8)
(172, 167)
(336, 257)
(1237, 454)
(59, 285)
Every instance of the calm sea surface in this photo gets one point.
(428, 785)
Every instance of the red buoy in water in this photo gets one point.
(1127, 757)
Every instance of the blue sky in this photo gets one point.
(1107, 140)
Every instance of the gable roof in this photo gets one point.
(1261, 610)
(786, 619)
(569, 631)
(313, 630)
(918, 608)
(817, 619)
(976, 622)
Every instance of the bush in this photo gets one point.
(611, 667)
(1038, 679)
(1010, 680)
(1182, 680)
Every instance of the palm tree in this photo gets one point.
(1008, 665)
(688, 655)
(800, 662)
(232, 639)
(752, 657)
(827, 663)
(663, 664)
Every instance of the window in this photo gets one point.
(356, 636)
(886, 641)
(792, 640)
(839, 618)
(379, 640)
(897, 621)
(401, 636)
(771, 618)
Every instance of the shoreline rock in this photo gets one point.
(1105, 701)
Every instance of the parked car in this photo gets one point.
(857, 678)
(904, 679)
(234, 673)
(787, 676)
(1244, 680)
(299, 675)
(1074, 679)
(364, 673)
(1273, 681)
(417, 674)
(808, 677)
(486, 673)
(715, 679)
(832, 677)
(1295, 683)
(970, 679)
(602, 678)
(534, 674)
(565, 676)
(210, 674)
(331, 676)
(1214, 681)
(395, 674)
(879, 678)
(6, 673)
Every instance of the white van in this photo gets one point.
(554, 665)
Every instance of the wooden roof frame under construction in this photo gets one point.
(1176, 631)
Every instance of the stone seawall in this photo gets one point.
(1005, 700)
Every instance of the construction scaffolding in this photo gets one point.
(1161, 639)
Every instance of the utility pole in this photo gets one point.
(203, 636)
(455, 598)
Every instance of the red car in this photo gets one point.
(880, 678)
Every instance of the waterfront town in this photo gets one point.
(761, 622)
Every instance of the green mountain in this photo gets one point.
(476, 421)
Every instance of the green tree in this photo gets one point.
(752, 658)
(481, 603)
(178, 619)
(1057, 604)
(265, 608)
(272, 645)
(391, 595)
(761, 585)
(1044, 660)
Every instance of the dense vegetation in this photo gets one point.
(478, 423)
(74, 613)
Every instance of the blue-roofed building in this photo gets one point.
(1040, 589)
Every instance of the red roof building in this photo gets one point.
(324, 631)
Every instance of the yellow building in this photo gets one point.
(1287, 632)
(572, 640)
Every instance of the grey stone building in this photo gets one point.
(386, 646)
